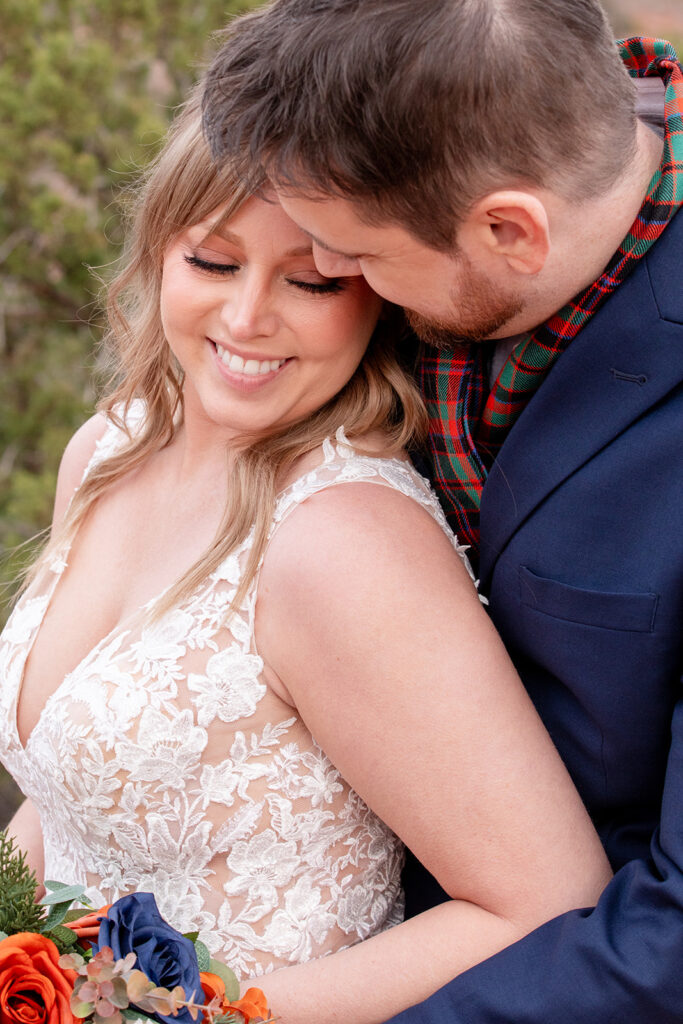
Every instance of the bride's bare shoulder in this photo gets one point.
(75, 459)
(345, 544)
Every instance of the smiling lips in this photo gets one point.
(247, 367)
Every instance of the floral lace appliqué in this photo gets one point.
(164, 763)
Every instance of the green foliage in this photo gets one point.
(87, 89)
(227, 976)
(63, 938)
(19, 911)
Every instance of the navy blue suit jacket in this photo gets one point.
(582, 559)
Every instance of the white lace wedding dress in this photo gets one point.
(163, 763)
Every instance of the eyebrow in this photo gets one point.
(329, 248)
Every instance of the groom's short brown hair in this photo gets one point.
(413, 109)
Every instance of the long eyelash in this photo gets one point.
(329, 288)
(211, 268)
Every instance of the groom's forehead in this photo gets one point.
(338, 225)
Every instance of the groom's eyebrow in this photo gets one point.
(300, 250)
(329, 248)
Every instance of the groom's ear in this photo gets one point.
(511, 226)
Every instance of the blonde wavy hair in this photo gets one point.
(182, 187)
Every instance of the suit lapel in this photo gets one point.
(625, 360)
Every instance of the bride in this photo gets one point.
(252, 663)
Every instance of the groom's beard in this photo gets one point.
(480, 310)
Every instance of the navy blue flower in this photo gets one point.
(134, 924)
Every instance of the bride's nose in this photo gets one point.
(250, 310)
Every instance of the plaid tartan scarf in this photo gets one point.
(466, 426)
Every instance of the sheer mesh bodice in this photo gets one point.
(164, 763)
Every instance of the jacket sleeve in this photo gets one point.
(619, 963)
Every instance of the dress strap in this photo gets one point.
(342, 464)
(114, 437)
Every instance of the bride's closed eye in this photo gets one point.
(328, 287)
(209, 266)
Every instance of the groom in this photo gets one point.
(481, 164)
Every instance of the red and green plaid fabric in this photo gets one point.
(467, 426)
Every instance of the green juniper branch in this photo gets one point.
(19, 911)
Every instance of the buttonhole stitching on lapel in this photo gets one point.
(633, 378)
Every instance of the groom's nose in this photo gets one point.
(334, 264)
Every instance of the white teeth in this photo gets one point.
(249, 367)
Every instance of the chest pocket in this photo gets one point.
(634, 613)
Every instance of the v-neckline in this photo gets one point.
(61, 556)
(123, 626)
(330, 450)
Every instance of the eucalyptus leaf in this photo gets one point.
(203, 956)
(232, 985)
(3, 935)
(58, 912)
(132, 1014)
(119, 994)
(62, 893)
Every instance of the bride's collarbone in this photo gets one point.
(127, 552)
(151, 531)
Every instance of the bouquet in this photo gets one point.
(59, 965)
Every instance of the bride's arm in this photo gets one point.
(369, 622)
(28, 837)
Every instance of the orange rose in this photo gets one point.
(252, 1006)
(34, 989)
